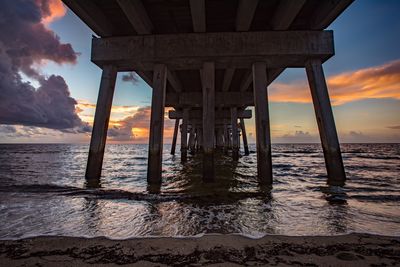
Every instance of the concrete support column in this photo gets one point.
(228, 136)
(263, 135)
(235, 134)
(100, 126)
(220, 138)
(326, 123)
(173, 146)
(157, 124)
(226, 144)
(196, 139)
(184, 131)
(200, 138)
(192, 140)
(208, 78)
(244, 136)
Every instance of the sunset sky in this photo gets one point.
(49, 87)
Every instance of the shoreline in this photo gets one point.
(214, 250)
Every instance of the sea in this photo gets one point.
(43, 191)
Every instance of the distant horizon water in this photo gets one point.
(44, 192)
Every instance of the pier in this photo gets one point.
(210, 61)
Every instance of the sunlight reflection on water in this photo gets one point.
(43, 192)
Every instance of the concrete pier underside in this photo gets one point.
(210, 60)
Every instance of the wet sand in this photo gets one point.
(210, 250)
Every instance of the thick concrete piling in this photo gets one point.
(235, 134)
(192, 140)
(208, 82)
(226, 141)
(101, 119)
(157, 124)
(220, 138)
(263, 136)
(244, 136)
(173, 145)
(326, 123)
(184, 131)
(199, 136)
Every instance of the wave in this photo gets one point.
(117, 194)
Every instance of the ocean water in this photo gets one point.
(43, 192)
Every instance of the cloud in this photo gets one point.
(25, 44)
(127, 123)
(132, 127)
(34, 134)
(52, 10)
(361, 137)
(397, 127)
(7, 129)
(48, 106)
(376, 82)
(86, 111)
(130, 77)
(297, 137)
(135, 128)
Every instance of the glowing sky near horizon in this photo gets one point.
(363, 79)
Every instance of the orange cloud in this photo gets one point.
(86, 111)
(127, 123)
(56, 10)
(375, 82)
(135, 128)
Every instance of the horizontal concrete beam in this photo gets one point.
(219, 123)
(222, 99)
(221, 114)
(279, 49)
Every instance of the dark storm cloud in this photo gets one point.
(24, 43)
(130, 77)
(7, 129)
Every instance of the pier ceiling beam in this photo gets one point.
(137, 15)
(198, 12)
(328, 12)
(93, 16)
(222, 114)
(245, 14)
(286, 13)
(279, 49)
(222, 99)
(244, 17)
(140, 21)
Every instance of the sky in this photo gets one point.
(49, 87)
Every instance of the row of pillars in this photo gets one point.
(322, 106)
(225, 138)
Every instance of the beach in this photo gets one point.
(207, 250)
